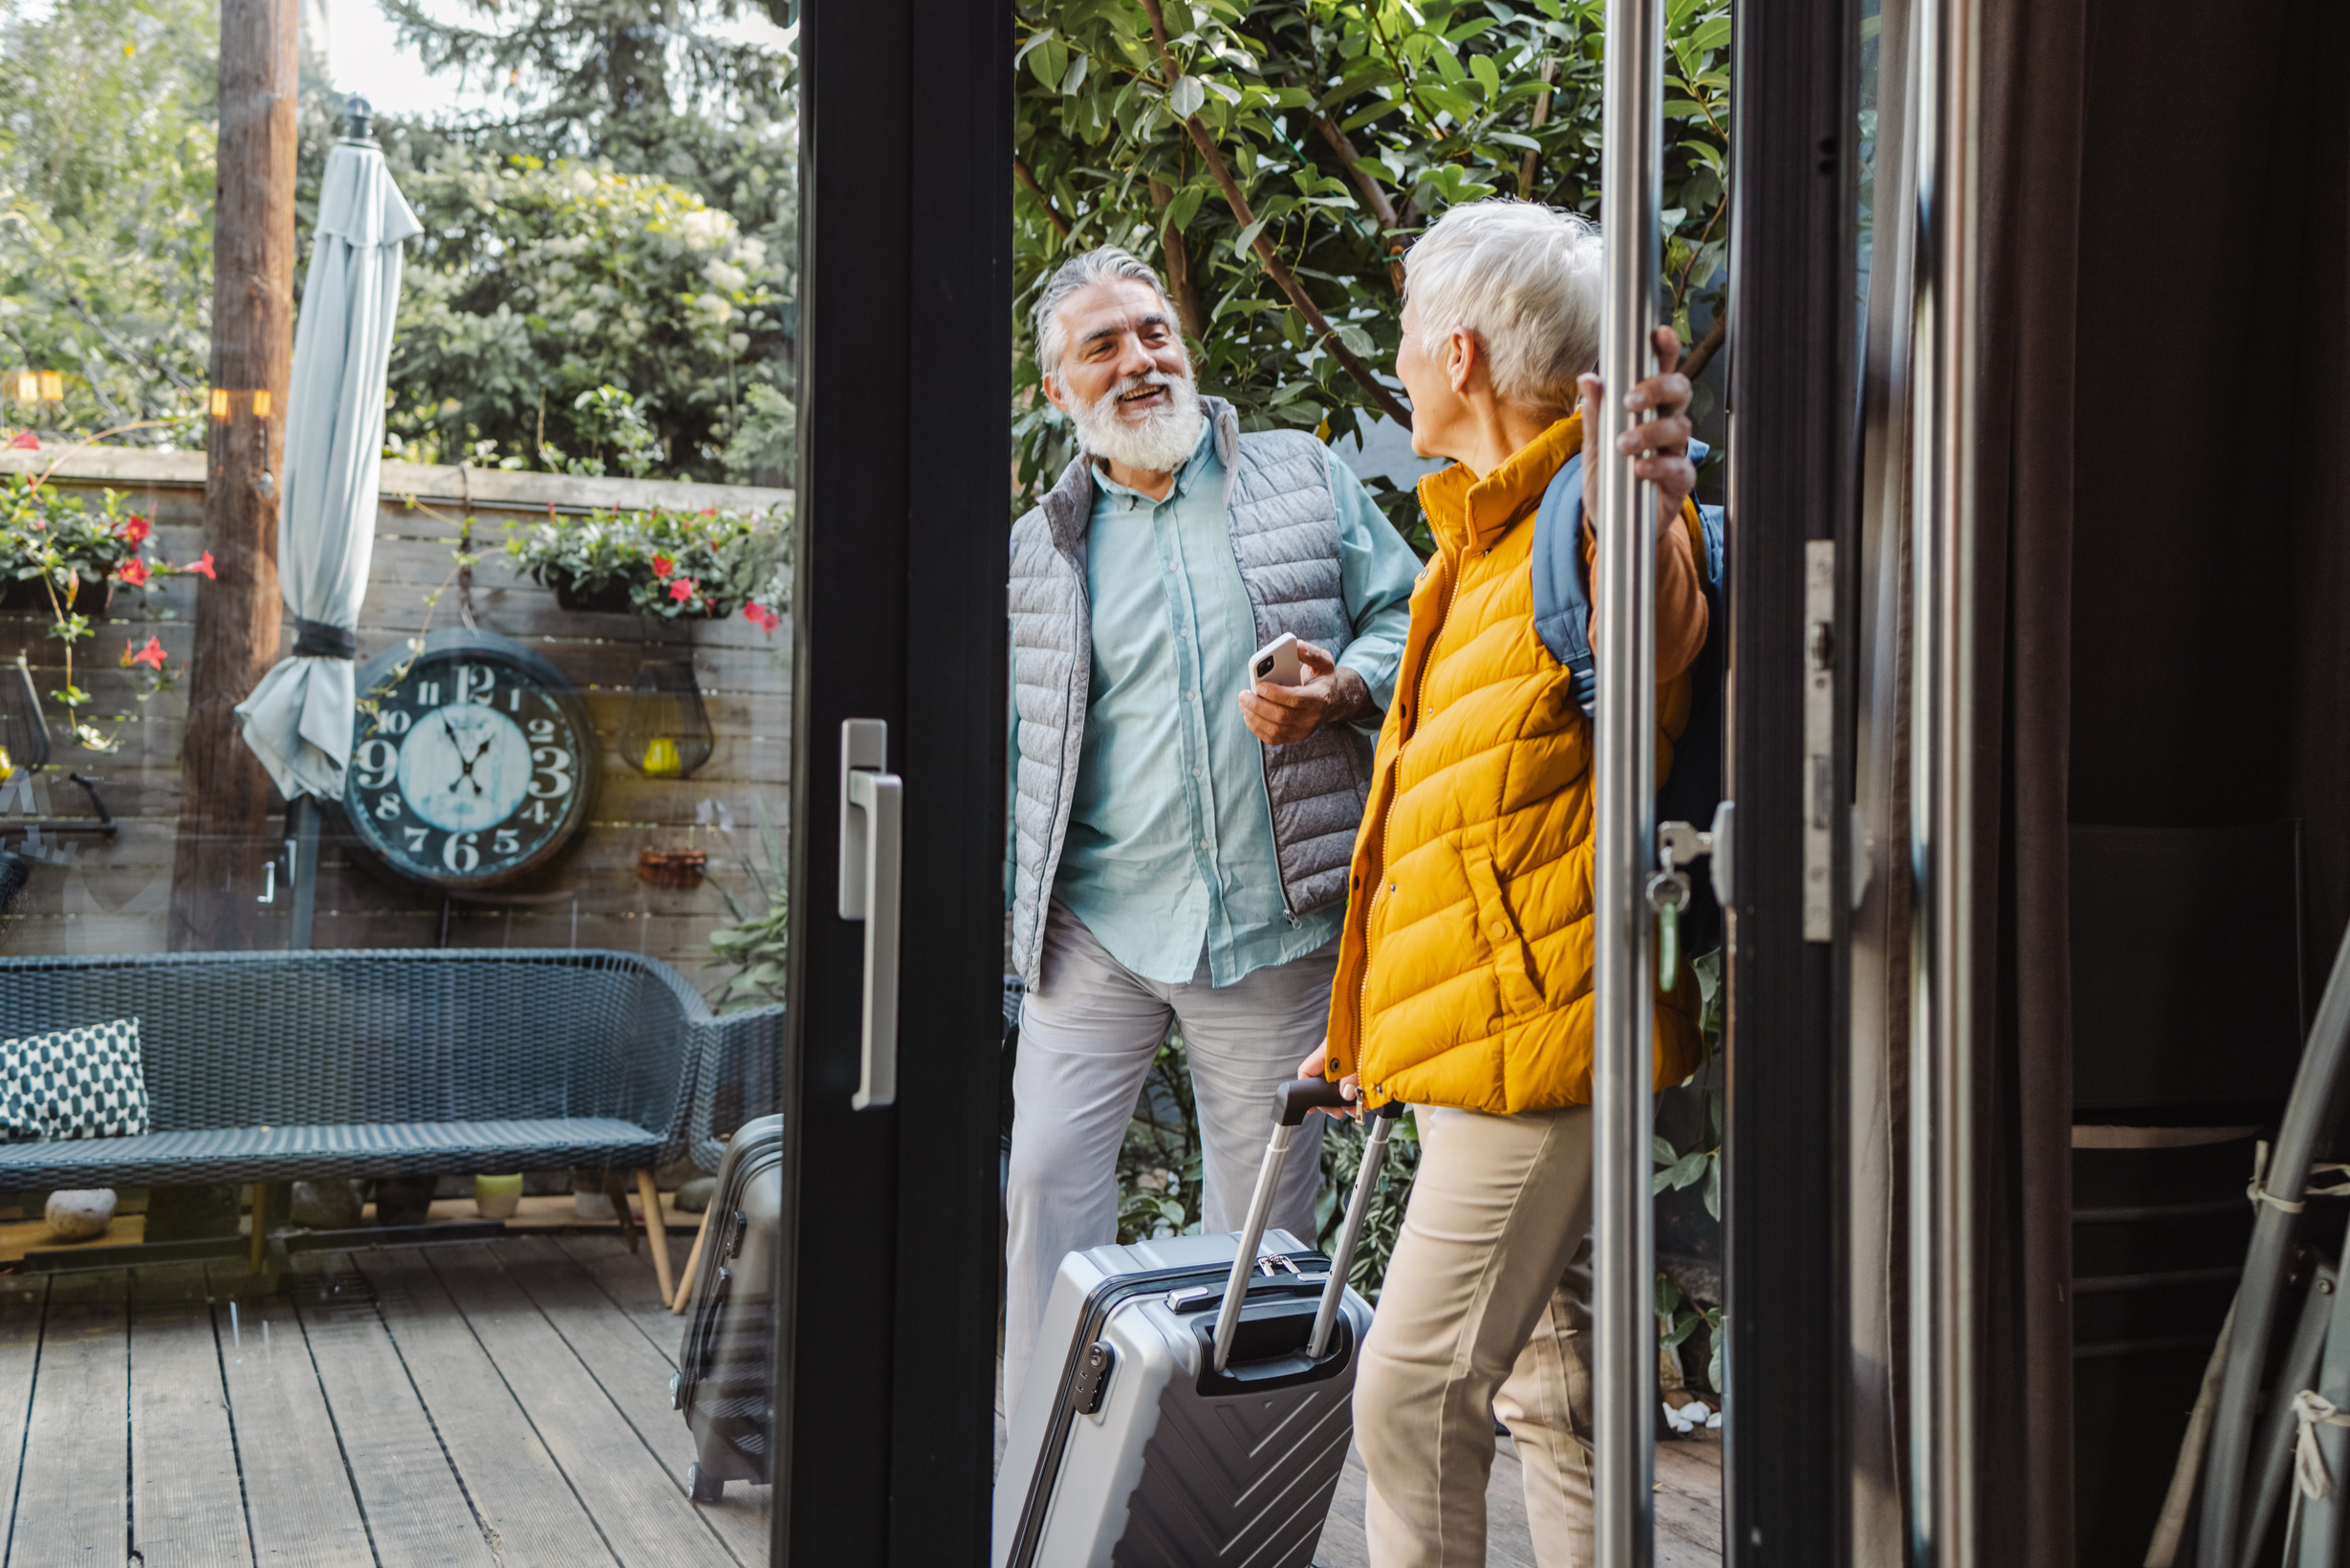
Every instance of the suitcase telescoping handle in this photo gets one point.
(1290, 1104)
(1358, 1207)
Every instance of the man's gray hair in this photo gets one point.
(1524, 279)
(1107, 264)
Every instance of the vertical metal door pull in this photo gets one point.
(872, 851)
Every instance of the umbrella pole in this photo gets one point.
(302, 858)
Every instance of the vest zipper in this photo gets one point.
(1386, 816)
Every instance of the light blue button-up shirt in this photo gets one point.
(1169, 858)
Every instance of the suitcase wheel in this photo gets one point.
(703, 1487)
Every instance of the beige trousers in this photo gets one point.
(1484, 1313)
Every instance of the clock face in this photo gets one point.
(476, 767)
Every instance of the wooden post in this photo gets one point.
(224, 833)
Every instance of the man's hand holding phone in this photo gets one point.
(1278, 713)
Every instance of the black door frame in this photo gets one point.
(1791, 328)
(886, 1335)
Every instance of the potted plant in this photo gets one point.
(677, 565)
(50, 540)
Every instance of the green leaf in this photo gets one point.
(1489, 76)
(1186, 96)
(1074, 77)
(1246, 238)
(1185, 207)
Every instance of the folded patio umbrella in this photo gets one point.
(298, 720)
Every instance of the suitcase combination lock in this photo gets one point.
(1092, 1378)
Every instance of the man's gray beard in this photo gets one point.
(1159, 442)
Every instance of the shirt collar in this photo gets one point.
(1195, 467)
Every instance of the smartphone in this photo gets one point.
(1276, 663)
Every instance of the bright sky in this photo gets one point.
(364, 54)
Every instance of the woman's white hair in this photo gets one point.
(1524, 279)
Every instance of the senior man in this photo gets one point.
(1180, 835)
(1464, 975)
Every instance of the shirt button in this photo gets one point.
(1203, 843)
(1195, 772)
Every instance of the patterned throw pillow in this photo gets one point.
(74, 1083)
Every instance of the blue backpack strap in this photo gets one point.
(1563, 599)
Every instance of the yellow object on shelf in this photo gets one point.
(8, 765)
(661, 759)
(498, 1197)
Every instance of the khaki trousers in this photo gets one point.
(1484, 1313)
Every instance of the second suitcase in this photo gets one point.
(725, 1383)
(1201, 1406)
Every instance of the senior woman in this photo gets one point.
(1464, 979)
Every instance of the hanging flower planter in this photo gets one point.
(673, 565)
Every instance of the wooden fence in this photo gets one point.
(94, 895)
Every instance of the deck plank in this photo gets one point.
(533, 1518)
(635, 1375)
(74, 1505)
(636, 1501)
(418, 1514)
(22, 1299)
(187, 1511)
(1689, 1502)
(298, 1501)
(628, 1279)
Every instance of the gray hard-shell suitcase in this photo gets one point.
(1201, 1406)
(724, 1381)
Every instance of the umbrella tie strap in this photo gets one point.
(316, 639)
(2313, 1410)
(2260, 1194)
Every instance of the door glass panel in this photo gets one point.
(360, 1120)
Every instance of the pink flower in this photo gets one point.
(152, 655)
(204, 565)
(761, 617)
(136, 528)
(681, 590)
(709, 512)
(663, 566)
(134, 572)
(27, 440)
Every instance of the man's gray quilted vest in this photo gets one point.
(1284, 528)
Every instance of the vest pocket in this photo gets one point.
(1514, 961)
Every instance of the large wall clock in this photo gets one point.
(478, 765)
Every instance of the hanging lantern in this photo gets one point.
(24, 734)
(53, 386)
(666, 731)
(25, 386)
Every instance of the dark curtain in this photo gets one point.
(2033, 63)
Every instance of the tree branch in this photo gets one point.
(1708, 346)
(1178, 266)
(1026, 176)
(1324, 334)
(1381, 209)
(1542, 115)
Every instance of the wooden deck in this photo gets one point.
(489, 1405)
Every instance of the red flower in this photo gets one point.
(27, 440)
(152, 655)
(681, 588)
(133, 571)
(761, 617)
(136, 528)
(709, 512)
(663, 566)
(204, 565)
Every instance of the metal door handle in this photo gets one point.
(872, 850)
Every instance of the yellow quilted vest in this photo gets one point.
(1465, 968)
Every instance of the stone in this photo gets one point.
(695, 1196)
(74, 1216)
(324, 1206)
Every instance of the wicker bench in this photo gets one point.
(264, 1066)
